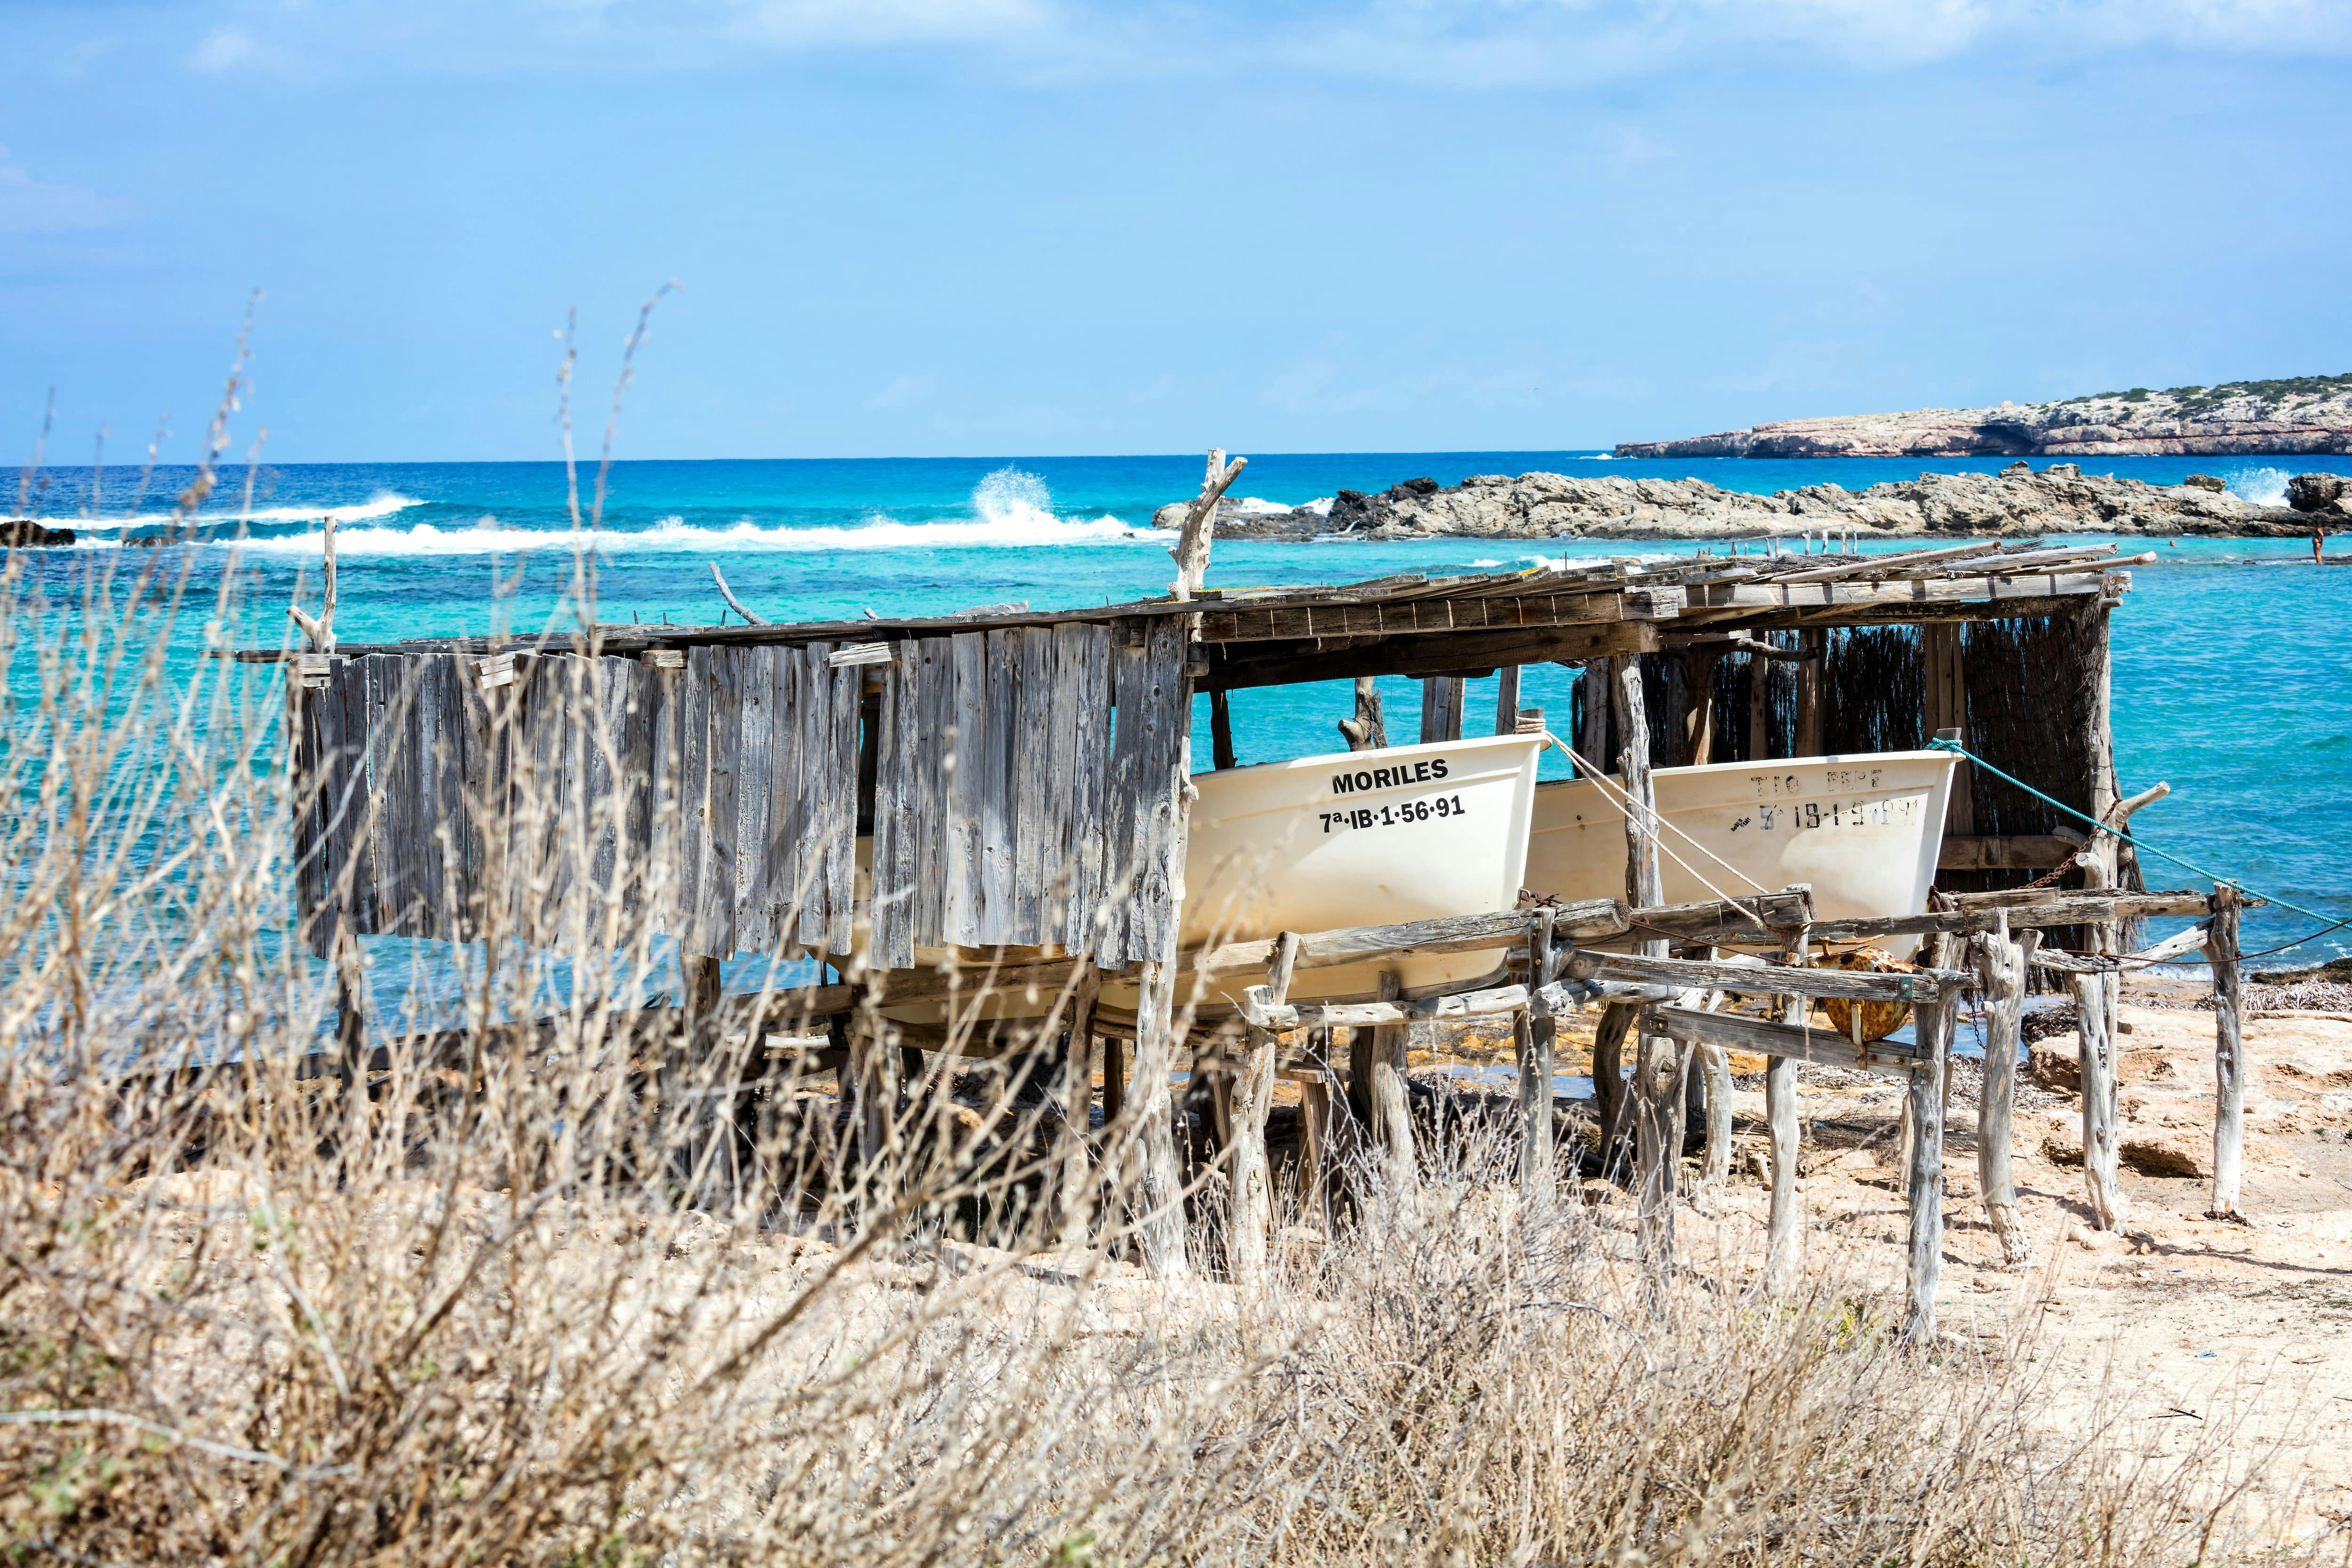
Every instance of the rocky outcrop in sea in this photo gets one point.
(2059, 498)
(2307, 414)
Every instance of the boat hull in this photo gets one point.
(1864, 832)
(1409, 833)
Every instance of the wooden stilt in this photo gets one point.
(1253, 1184)
(1947, 716)
(2096, 1030)
(1392, 1115)
(1814, 642)
(351, 1006)
(1221, 728)
(1596, 685)
(1659, 1066)
(2228, 1054)
(1154, 1177)
(1698, 726)
(1714, 1066)
(2095, 995)
(1644, 887)
(1610, 1102)
(1760, 708)
(2001, 966)
(1784, 1245)
(1535, 1031)
(1367, 732)
(1506, 700)
(1359, 1075)
(1114, 1055)
(1440, 709)
(1924, 1109)
(1077, 1107)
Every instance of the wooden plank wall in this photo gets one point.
(1025, 794)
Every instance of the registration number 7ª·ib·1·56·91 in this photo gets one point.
(1403, 813)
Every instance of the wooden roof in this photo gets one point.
(1418, 625)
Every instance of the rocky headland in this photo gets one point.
(2309, 414)
(2059, 498)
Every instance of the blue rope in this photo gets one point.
(1959, 751)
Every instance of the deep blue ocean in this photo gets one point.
(2233, 658)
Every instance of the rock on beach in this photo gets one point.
(2019, 501)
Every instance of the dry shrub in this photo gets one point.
(603, 1289)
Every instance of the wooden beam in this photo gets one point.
(1408, 616)
(1762, 1036)
(1457, 653)
(1765, 980)
(1589, 921)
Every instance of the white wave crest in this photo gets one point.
(2263, 487)
(374, 507)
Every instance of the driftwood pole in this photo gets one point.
(1595, 686)
(1784, 1239)
(1440, 709)
(1078, 1104)
(1814, 644)
(2228, 1054)
(1659, 1063)
(2001, 966)
(2095, 994)
(1536, 1032)
(1760, 708)
(1252, 1219)
(1154, 1176)
(1193, 536)
(1506, 700)
(1924, 1109)
(1367, 732)
(1392, 1115)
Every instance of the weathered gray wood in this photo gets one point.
(813, 802)
(2095, 995)
(2096, 1030)
(1814, 642)
(935, 795)
(1645, 887)
(1036, 779)
(1506, 700)
(1766, 980)
(2040, 907)
(2015, 852)
(1198, 529)
(1491, 1002)
(897, 787)
(1154, 1180)
(1084, 655)
(2001, 965)
(1391, 1116)
(1145, 844)
(694, 796)
(1126, 813)
(667, 802)
(1946, 709)
(1784, 1225)
(1611, 1102)
(1722, 921)
(1739, 1032)
(2228, 1055)
(759, 758)
(715, 910)
(1535, 1032)
(1221, 732)
(1252, 1182)
(1759, 707)
(999, 765)
(1078, 1102)
(1660, 1064)
(1589, 921)
(840, 885)
(1594, 688)
(1698, 720)
(1365, 730)
(1924, 1109)
(966, 768)
(1114, 1051)
(1440, 709)
(1715, 1174)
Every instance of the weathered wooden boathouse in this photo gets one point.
(1021, 781)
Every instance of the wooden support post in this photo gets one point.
(1760, 708)
(1697, 730)
(1784, 1235)
(1114, 1051)
(872, 1067)
(2001, 966)
(1392, 1113)
(1610, 1104)
(2095, 995)
(1367, 732)
(1506, 700)
(1947, 715)
(1714, 1063)
(1154, 1177)
(1812, 672)
(1440, 709)
(1659, 1066)
(1253, 1184)
(1645, 887)
(1220, 729)
(350, 1008)
(1596, 685)
(1194, 533)
(700, 974)
(1078, 1107)
(1536, 1032)
(1924, 1113)
(2228, 1054)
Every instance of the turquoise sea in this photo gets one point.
(2233, 667)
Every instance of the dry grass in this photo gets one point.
(607, 1292)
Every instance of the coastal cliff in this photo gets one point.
(2060, 498)
(2307, 414)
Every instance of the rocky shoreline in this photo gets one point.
(2307, 414)
(2019, 501)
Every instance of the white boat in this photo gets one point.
(1353, 838)
(1864, 832)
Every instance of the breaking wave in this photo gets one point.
(2263, 487)
(361, 512)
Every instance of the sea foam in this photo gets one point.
(2263, 487)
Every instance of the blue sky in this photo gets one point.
(1038, 226)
